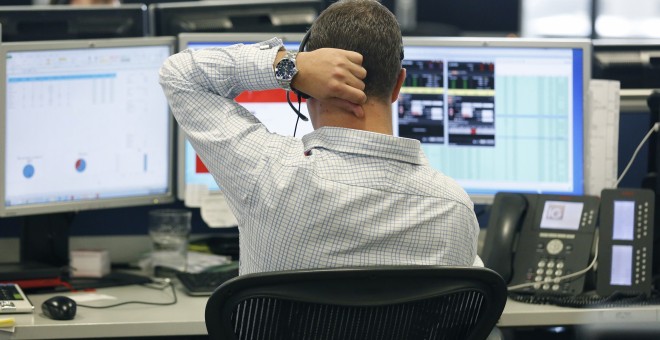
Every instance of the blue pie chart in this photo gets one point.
(28, 171)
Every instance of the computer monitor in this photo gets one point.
(240, 16)
(16, 3)
(85, 125)
(556, 18)
(269, 106)
(43, 22)
(621, 19)
(456, 18)
(498, 114)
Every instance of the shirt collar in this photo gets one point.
(365, 143)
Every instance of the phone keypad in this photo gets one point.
(547, 272)
(587, 218)
(641, 254)
(642, 220)
(640, 265)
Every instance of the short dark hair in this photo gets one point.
(366, 27)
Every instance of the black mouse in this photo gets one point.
(59, 308)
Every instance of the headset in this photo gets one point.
(299, 94)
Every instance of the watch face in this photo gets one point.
(286, 69)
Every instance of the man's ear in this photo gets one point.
(399, 83)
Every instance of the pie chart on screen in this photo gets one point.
(28, 171)
(80, 165)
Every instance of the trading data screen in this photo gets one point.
(85, 125)
(497, 118)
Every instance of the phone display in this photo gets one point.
(561, 215)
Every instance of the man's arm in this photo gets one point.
(200, 87)
(323, 73)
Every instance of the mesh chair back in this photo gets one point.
(358, 303)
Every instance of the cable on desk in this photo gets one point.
(167, 282)
(562, 278)
(588, 300)
(654, 128)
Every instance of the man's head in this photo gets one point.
(369, 28)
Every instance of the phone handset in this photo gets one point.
(506, 216)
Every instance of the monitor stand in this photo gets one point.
(44, 251)
(45, 239)
(44, 259)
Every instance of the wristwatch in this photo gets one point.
(286, 69)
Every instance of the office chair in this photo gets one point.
(361, 303)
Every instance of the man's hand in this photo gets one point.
(329, 73)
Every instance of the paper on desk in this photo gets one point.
(216, 213)
(194, 195)
(7, 325)
(198, 262)
(602, 136)
(87, 297)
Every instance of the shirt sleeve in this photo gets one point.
(200, 86)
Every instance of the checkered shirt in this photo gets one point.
(338, 197)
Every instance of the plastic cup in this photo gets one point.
(169, 230)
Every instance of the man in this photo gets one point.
(349, 193)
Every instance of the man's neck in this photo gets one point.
(377, 118)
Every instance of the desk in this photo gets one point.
(518, 314)
(187, 317)
(133, 320)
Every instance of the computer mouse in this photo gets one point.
(59, 308)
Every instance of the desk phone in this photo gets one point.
(13, 300)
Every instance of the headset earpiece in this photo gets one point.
(301, 95)
(303, 46)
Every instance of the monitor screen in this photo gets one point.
(498, 114)
(85, 125)
(556, 18)
(31, 23)
(269, 106)
(234, 16)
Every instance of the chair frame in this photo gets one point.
(358, 287)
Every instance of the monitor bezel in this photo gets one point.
(159, 9)
(184, 40)
(57, 207)
(584, 44)
(86, 10)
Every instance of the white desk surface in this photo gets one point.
(132, 320)
(187, 316)
(518, 314)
